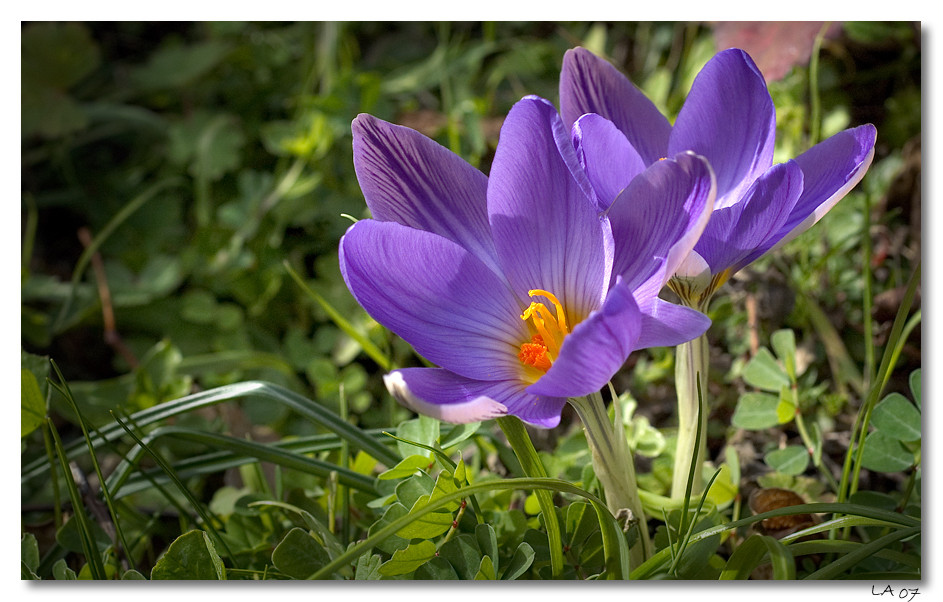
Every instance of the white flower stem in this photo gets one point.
(615, 468)
(691, 362)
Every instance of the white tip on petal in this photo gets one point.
(692, 281)
(474, 410)
(693, 268)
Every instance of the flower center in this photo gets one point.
(551, 328)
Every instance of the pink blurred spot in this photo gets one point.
(776, 46)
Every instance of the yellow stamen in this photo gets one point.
(551, 328)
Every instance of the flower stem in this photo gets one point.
(615, 468)
(691, 362)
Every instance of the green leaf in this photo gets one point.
(580, 523)
(190, 556)
(444, 485)
(522, 560)
(487, 543)
(915, 386)
(429, 525)
(784, 344)
(885, 454)
(413, 488)
(32, 405)
(133, 575)
(406, 467)
(459, 433)
(763, 372)
(791, 460)
(310, 135)
(367, 568)
(299, 554)
(390, 544)
(756, 411)
(437, 569)
(423, 430)
(177, 65)
(69, 537)
(614, 541)
(62, 572)
(57, 55)
(209, 144)
(463, 554)
(724, 489)
(485, 570)
(897, 418)
(815, 435)
(29, 556)
(786, 409)
(408, 560)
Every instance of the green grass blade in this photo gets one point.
(850, 560)
(688, 531)
(781, 558)
(829, 546)
(524, 449)
(343, 323)
(753, 553)
(248, 449)
(221, 460)
(205, 514)
(92, 557)
(310, 409)
(63, 389)
(852, 469)
(745, 557)
(837, 523)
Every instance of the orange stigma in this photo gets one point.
(551, 328)
(535, 353)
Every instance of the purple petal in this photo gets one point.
(665, 324)
(447, 396)
(830, 169)
(729, 118)
(658, 218)
(435, 295)
(410, 179)
(595, 349)
(589, 84)
(740, 233)
(607, 157)
(547, 231)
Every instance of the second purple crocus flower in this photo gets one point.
(728, 118)
(512, 284)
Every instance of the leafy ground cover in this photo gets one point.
(202, 398)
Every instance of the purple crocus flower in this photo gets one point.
(511, 284)
(728, 118)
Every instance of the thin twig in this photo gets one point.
(104, 293)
